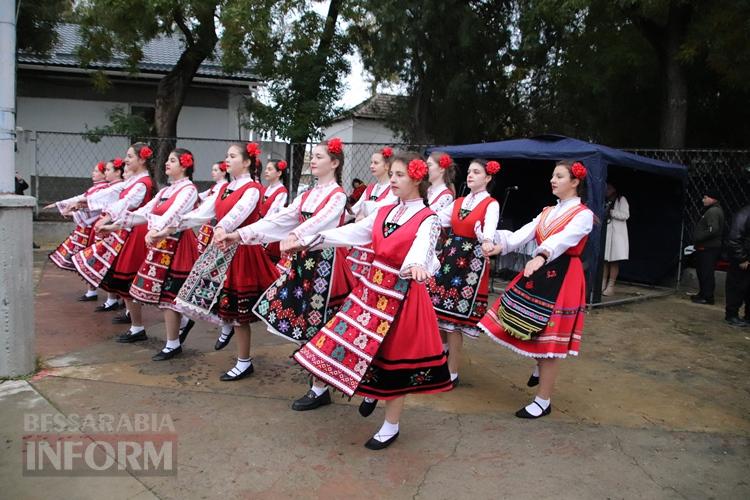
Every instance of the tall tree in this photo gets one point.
(36, 24)
(452, 56)
(110, 26)
(301, 56)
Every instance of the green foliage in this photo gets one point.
(36, 24)
(121, 123)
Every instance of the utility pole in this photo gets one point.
(16, 256)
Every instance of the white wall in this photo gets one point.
(373, 131)
(72, 156)
(343, 129)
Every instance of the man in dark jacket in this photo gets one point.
(707, 240)
(738, 276)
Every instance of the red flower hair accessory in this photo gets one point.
(100, 166)
(117, 162)
(387, 152)
(281, 165)
(223, 166)
(145, 153)
(445, 161)
(492, 167)
(253, 149)
(335, 146)
(186, 160)
(578, 170)
(417, 169)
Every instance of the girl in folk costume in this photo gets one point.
(220, 176)
(460, 287)
(225, 282)
(540, 315)
(308, 294)
(442, 172)
(375, 195)
(274, 199)
(170, 257)
(112, 263)
(384, 341)
(82, 236)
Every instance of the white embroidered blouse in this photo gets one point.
(491, 217)
(558, 243)
(187, 196)
(236, 215)
(437, 199)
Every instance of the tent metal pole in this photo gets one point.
(679, 259)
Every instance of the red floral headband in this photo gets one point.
(492, 167)
(186, 160)
(445, 161)
(387, 152)
(223, 166)
(281, 165)
(117, 162)
(578, 170)
(417, 169)
(335, 146)
(100, 166)
(253, 149)
(145, 153)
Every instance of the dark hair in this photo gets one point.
(581, 189)
(335, 156)
(137, 146)
(449, 173)
(284, 173)
(242, 146)
(121, 169)
(182, 151)
(227, 177)
(405, 157)
(614, 186)
(356, 179)
(483, 163)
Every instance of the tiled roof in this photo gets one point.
(159, 56)
(377, 107)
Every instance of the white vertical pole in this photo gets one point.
(7, 95)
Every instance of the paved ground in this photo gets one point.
(656, 407)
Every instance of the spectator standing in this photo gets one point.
(738, 275)
(707, 240)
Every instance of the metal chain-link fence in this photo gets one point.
(724, 171)
(62, 165)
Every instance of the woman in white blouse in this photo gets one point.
(442, 172)
(617, 246)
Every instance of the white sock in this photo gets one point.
(369, 400)
(534, 406)
(183, 321)
(171, 345)
(445, 346)
(110, 302)
(536, 371)
(136, 329)
(454, 376)
(319, 390)
(91, 293)
(226, 328)
(386, 432)
(240, 367)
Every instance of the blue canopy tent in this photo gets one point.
(656, 192)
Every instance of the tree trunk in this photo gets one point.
(172, 89)
(667, 39)
(309, 92)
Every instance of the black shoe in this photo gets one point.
(219, 345)
(310, 401)
(367, 407)
(374, 444)
(163, 356)
(229, 377)
(533, 381)
(184, 331)
(735, 321)
(697, 299)
(455, 382)
(522, 413)
(35, 246)
(86, 298)
(105, 308)
(121, 319)
(129, 338)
